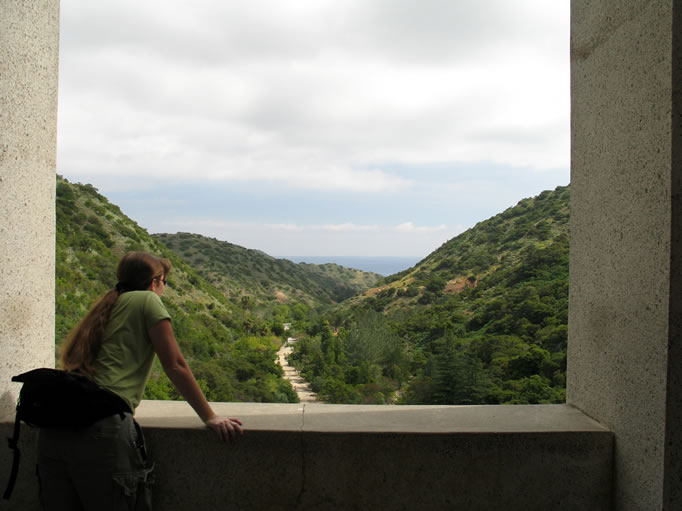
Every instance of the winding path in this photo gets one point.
(301, 386)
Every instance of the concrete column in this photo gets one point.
(29, 42)
(624, 354)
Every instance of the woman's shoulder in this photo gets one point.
(147, 303)
(152, 303)
(142, 294)
(140, 298)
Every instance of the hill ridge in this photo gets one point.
(482, 319)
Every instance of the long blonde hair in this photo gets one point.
(136, 271)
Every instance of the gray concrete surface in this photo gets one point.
(29, 40)
(377, 418)
(624, 313)
(313, 456)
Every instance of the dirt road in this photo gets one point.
(301, 386)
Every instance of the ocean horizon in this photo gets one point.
(384, 266)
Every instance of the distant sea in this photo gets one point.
(382, 265)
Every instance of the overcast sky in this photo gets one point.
(315, 127)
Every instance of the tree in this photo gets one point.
(370, 340)
(459, 377)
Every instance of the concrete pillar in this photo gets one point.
(625, 310)
(29, 42)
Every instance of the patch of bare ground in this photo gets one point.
(375, 290)
(280, 296)
(300, 385)
(460, 284)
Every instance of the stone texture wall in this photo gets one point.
(625, 172)
(29, 41)
(364, 457)
(672, 485)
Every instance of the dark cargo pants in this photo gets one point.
(103, 467)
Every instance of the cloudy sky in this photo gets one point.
(315, 127)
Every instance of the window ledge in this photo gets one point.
(378, 418)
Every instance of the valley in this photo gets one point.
(480, 320)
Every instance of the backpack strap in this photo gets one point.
(14, 445)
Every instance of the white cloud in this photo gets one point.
(348, 227)
(410, 227)
(308, 95)
(275, 227)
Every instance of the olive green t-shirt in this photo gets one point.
(124, 361)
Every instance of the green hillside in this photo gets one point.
(230, 348)
(243, 274)
(483, 319)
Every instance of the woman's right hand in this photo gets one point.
(226, 428)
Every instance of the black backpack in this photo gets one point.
(50, 398)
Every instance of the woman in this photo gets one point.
(104, 466)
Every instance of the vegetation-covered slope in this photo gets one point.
(483, 319)
(480, 320)
(230, 349)
(245, 274)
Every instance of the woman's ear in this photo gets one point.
(156, 286)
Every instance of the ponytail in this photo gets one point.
(83, 342)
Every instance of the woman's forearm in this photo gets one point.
(179, 373)
(175, 366)
(182, 378)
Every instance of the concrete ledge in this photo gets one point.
(377, 418)
(370, 457)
